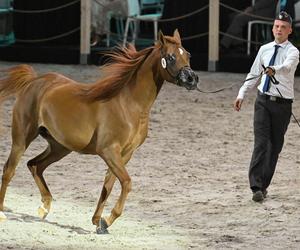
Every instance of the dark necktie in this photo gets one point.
(267, 80)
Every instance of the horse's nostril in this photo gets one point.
(190, 78)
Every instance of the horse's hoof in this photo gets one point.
(2, 216)
(102, 229)
(42, 212)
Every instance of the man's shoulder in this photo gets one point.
(291, 46)
(267, 45)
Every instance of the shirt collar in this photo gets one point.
(282, 45)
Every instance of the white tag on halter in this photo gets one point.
(163, 63)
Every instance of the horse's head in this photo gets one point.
(175, 62)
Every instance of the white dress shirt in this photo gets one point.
(285, 65)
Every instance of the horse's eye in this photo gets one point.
(171, 58)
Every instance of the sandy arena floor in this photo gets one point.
(190, 185)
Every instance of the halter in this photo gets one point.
(167, 61)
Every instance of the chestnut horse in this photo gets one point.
(108, 118)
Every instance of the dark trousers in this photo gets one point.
(271, 120)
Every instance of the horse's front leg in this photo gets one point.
(116, 164)
(109, 181)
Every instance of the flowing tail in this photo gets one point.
(16, 79)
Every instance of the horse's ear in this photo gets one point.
(176, 35)
(161, 38)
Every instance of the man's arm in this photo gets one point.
(290, 63)
(256, 70)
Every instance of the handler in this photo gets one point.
(272, 112)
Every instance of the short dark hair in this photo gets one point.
(283, 16)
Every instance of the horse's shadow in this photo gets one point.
(21, 217)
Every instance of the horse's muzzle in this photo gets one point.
(187, 78)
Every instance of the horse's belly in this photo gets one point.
(72, 138)
(72, 124)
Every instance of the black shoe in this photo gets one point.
(265, 192)
(258, 196)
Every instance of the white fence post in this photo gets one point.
(213, 36)
(85, 31)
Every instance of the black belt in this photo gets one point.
(274, 98)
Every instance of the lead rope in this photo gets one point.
(296, 120)
(221, 89)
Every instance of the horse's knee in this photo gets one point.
(127, 186)
(8, 175)
(6, 179)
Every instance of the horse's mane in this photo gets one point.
(119, 72)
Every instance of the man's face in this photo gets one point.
(281, 30)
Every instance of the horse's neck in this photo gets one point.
(148, 83)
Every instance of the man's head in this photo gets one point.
(282, 27)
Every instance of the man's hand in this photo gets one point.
(270, 71)
(237, 104)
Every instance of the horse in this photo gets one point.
(108, 118)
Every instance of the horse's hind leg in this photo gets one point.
(37, 166)
(8, 173)
(21, 138)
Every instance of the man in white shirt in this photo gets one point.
(273, 105)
